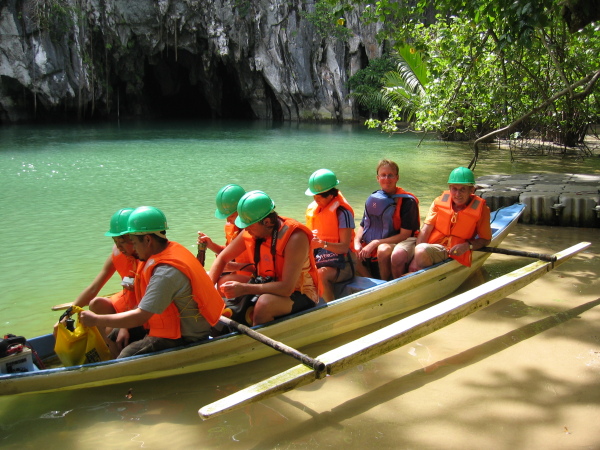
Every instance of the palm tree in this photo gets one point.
(404, 88)
(399, 92)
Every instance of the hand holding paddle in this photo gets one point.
(203, 241)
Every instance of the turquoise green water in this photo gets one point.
(60, 184)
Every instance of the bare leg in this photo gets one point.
(399, 262)
(384, 255)
(327, 276)
(421, 259)
(269, 306)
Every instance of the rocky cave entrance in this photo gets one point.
(178, 88)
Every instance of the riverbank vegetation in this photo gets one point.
(524, 70)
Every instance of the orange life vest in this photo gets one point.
(272, 265)
(464, 227)
(210, 304)
(326, 220)
(231, 232)
(397, 219)
(126, 267)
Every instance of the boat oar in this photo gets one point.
(62, 306)
(314, 364)
(393, 336)
(506, 251)
(201, 255)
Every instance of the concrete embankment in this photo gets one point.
(570, 200)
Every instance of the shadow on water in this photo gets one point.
(440, 369)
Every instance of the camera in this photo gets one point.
(260, 280)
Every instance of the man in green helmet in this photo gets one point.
(178, 302)
(123, 260)
(280, 250)
(458, 222)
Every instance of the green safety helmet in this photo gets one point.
(227, 200)
(321, 181)
(253, 207)
(146, 220)
(461, 175)
(118, 222)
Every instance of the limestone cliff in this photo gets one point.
(204, 58)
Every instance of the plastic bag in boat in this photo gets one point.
(82, 345)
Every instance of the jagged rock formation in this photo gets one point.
(203, 58)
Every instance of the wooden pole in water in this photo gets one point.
(314, 364)
(506, 251)
(393, 336)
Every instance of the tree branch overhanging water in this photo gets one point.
(590, 80)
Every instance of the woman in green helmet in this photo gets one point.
(331, 220)
(280, 249)
(227, 200)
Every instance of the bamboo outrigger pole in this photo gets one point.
(506, 251)
(393, 336)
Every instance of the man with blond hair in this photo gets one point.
(386, 237)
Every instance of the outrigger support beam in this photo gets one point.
(314, 364)
(393, 336)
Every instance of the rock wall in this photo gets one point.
(205, 58)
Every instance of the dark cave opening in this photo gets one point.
(178, 88)
(169, 93)
(233, 106)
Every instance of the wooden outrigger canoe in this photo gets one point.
(365, 301)
(392, 336)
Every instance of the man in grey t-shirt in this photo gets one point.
(179, 302)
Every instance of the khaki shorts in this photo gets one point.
(408, 245)
(436, 252)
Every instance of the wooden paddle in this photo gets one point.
(506, 251)
(392, 336)
(201, 255)
(314, 364)
(62, 306)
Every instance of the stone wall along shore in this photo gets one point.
(570, 200)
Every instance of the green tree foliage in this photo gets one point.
(493, 62)
(403, 89)
(367, 84)
(327, 17)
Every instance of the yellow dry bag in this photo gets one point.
(83, 345)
